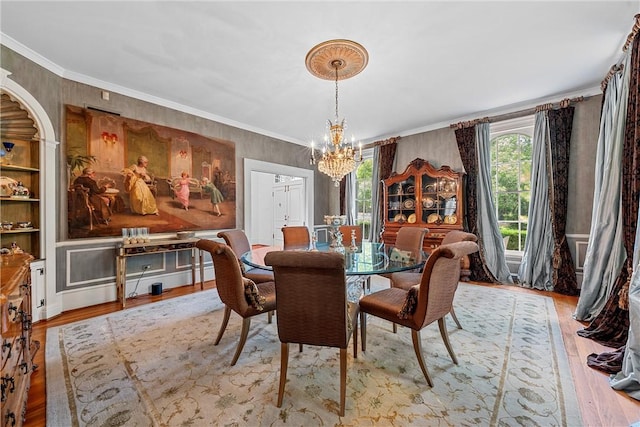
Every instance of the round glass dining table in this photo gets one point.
(367, 259)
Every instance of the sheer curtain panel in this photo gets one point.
(492, 247)
(536, 267)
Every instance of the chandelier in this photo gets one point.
(339, 60)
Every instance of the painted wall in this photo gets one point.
(86, 269)
(440, 148)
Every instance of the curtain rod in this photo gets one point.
(632, 35)
(501, 117)
(619, 67)
(381, 142)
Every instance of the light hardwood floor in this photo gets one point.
(600, 405)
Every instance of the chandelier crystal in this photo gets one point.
(338, 156)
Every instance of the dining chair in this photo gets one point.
(313, 309)
(239, 243)
(238, 293)
(296, 237)
(422, 304)
(405, 280)
(410, 239)
(346, 233)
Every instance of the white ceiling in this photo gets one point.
(431, 63)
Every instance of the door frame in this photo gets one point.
(251, 165)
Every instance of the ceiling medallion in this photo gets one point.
(350, 56)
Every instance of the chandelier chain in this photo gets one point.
(335, 65)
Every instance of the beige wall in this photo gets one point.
(440, 148)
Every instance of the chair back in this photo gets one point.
(458, 236)
(439, 281)
(296, 237)
(312, 297)
(346, 233)
(228, 275)
(237, 240)
(411, 239)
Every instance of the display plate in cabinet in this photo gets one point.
(428, 202)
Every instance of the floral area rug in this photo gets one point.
(156, 365)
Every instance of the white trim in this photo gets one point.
(48, 147)
(251, 165)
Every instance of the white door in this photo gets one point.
(297, 213)
(280, 211)
(258, 208)
(288, 207)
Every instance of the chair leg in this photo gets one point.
(270, 317)
(445, 338)
(363, 330)
(415, 336)
(343, 379)
(395, 328)
(223, 325)
(284, 363)
(355, 339)
(455, 318)
(246, 322)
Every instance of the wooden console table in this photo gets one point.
(155, 246)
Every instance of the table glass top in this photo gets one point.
(369, 258)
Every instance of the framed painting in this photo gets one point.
(125, 173)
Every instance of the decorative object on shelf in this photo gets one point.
(447, 189)
(334, 222)
(409, 203)
(400, 218)
(411, 219)
(450, 219)
(20, 191)
(428, 202)
(433, 218)
(339, 60)
(7, 225)
(24, 225)
(8, 148)
(6, 186)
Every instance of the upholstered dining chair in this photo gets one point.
(405, 280)
(239, 243)
(410, 239)
(312, 307)
(296, 237)
(424, 303)
(238, 293)
(346, 233)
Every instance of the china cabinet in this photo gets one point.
(18, 349)
(20, 195)
(423, 196)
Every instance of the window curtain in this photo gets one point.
(628, 379)
(611, 326)
(348, 197)
(384, 156)
(536, 266)
(492, 245)
(466, 139)
(560, 128)
(605, 253)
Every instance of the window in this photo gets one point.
(364, 176)
(511, 143)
